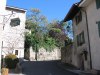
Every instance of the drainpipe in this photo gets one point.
(88, 38)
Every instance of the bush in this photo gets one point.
(11, 61)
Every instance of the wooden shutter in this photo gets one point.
(83, 39)
(99, 28)
(78, 40)
(98, 4)
(78, 17)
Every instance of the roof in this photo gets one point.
(15, 8)
(72, 12)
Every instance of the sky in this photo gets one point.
(52, 9)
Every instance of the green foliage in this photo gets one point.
(11, 61)
(49, 43)
(28, 40)
(57, 32)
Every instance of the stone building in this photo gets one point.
(85, 16)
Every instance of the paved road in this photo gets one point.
(43, 68)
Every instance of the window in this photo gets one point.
(2, 56)
(98, 4)
(98, 27)
(80, 39)
(15, 22)
(2, 44)
(78, 17)
(16, 52)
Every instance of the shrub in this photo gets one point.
(11, 61)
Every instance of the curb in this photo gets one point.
(66, 69)
(78, 72)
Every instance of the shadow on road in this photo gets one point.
(43, 68)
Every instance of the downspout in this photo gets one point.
(88, 38)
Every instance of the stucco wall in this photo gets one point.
(82, 26)
(93, 15)
(2, 12)
(2, 6)
(13, 37)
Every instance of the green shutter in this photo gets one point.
(98, 4)
(99, 28)
(80, 39)
(83, 39)
(77, 40)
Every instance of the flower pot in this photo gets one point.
(5, 71)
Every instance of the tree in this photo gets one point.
(34, 24)
(57, 31)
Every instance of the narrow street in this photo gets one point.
(43, 68)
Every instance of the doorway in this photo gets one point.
(81, 62)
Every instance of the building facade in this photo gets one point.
(13, 32)
(12, 24)
(86, 26)
(2, 8)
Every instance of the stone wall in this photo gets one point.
(66, 54)
(44, 55)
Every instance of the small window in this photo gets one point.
(98, 27)
(80, 39)
(15, 22)
(2, 44)
(78, 17)
(16, 52)
(98, 4)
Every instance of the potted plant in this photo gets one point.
(11, 61)
(5, 71)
